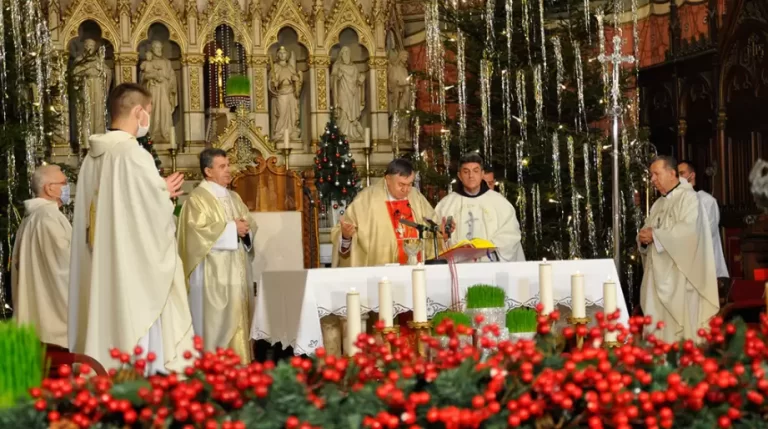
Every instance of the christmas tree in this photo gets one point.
(337, 177)
(146, 143)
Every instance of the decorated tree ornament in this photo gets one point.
(335, 206)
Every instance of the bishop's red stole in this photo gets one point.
(401, 209)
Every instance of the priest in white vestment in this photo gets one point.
(215, 243)
(679, 284)
(687, 171)
(479, 212)
(127, 284)
(40, 268)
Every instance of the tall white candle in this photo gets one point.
(173, 138)
(609, 305)
(545, 287)
(353, 320)
(385, 302)
(419, 281)
(367, 137)
(286, 139)
(578, 304)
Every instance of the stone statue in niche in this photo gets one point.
(91, 78)
(158, 76)
(348, 94)
(399, 88)
(285, 87)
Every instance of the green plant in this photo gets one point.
(485, 296)
(522, 319)
(238, 85)
(21, 362)
(336, 173)
(458, 318)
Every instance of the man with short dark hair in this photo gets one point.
(126, 279)
(489, 177)
(479, 212)
(679, 284)
(686, 170)
(370, 232)
(215, 244)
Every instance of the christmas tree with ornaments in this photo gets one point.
(337, 178)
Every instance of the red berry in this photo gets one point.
(41, 405)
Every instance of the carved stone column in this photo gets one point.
(54, 15)
(191, 15)
(125, 67)
(257, 73)
(682, 129)
(192, 102)
(722, 193)
(60, 145)
(318, 11)
(377, 79)
(124, 22)
(320, 100)
(254, 17)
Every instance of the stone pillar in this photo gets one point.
(54, 15)
(124, 23)
(125, 67)
(257, 73)
(320, 100)
(682, 129)
(377, 84)
(61, 150)
(191, 15)
(192, 100)
(722, 192)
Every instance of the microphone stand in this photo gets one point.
(435, 229)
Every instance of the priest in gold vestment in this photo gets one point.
(370, 233)
(215, 233)
(679, 283)
(40, 269)
(126, 285)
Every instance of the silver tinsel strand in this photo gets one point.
(575, 244)
(559, 76)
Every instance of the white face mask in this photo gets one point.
(142, 131)
(65, 194)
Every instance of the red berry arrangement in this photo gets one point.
(643, 383)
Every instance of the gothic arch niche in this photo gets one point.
(224, 38)
(343, 87)
(289, 39)
(660, 113)
(88, 30)
(171, 51)
(698, 111)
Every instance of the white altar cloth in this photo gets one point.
(289, 304)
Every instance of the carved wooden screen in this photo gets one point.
(268, 187)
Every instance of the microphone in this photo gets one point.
(449, 226)
(406, 222)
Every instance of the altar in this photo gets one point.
(290, 304)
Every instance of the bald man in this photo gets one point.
(40, 269)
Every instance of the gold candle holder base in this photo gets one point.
(611, 344)
(367, 152)
(576, 322)
(173, 151)
(382, 335)
(420, 329)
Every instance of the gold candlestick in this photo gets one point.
(219, 60)
(173, 152)
(367, 152)
(420, 329)
(286, 151)
(382, 336)
(576, 322)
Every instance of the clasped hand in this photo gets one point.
(243, 227)
(646, 236)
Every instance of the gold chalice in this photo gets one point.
(412, 247)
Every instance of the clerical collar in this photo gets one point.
(670, 191)
(463, 192)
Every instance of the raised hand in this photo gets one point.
(348, 229)
(174, 182)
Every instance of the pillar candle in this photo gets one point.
(353, 320)
(578, 304)
(173, 137)
(286, 139)
(545, 287)
(367, 137)
(419, 281)
(385, 302)
(609, 306)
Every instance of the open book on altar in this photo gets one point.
(469, 250)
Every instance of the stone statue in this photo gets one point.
(348, 95)
(158, 76)
(399, 88)
(285, 87)
(92, 78)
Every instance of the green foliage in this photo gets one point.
(146, 143)
(336, 172)
(485, 296)
(238, 85)
(458, 318)
(522, 319)
(21, 362)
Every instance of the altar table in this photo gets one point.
(289, 304)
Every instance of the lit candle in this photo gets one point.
(385, 302)
(578, 305)
(367, 137)
(545, 287)
(419, 281)
(173, 138)
(609, 305)
(286, 139)
(353, 320)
